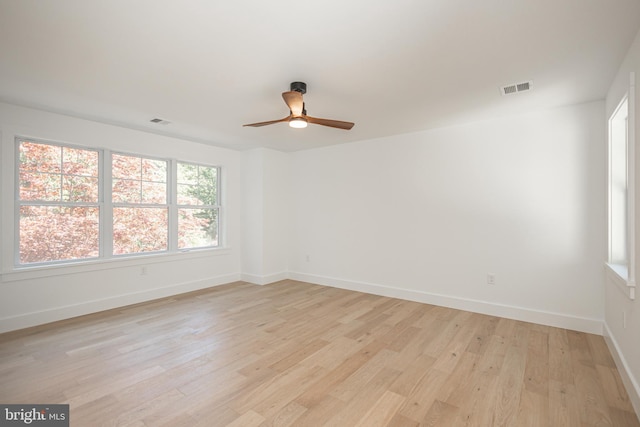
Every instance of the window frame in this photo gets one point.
(217, 207)
(112, 204)
(106, 206)
(19, 203)
(623, 274)
(618, 226)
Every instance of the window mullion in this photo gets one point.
(107, 203)
(172, 200)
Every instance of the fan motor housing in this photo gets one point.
(299, 87)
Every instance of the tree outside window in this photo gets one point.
(140, 210)
(198, 206)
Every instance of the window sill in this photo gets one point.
(35, 272)
(619, 275)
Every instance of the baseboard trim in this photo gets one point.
(630, 382)
(27, 320)
(581, 324)
(257, 279)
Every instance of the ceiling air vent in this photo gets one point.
(160, 121)
(516, 88)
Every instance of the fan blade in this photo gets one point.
(331, 123)
(256, 125)
(294, 102)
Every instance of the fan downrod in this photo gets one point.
(299, 87)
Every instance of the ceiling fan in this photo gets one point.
(297, 117)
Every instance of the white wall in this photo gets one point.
(422, 216)
(624, 342)
(265, 216)
(426, 216)
(277, 187)
(46, 294)
(252, 216)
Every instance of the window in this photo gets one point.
(198, 207)
(619, 186)
(64, 196)
(140, 209)
(621, 260)
(58, 198)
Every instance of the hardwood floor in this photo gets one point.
(295, 354)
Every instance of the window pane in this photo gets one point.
(126, 167)
(197, 185)
(208, 182)
(154, 192)
(79, 189)
(39, 186)
(125, 191)
(618, 185)
(40, 157)
(139, 230)
(54, 233)
(139, 180)
(80, 162)
(187, 173)
(77, 181)
(187, 195)
(154, 170)
(197, 228)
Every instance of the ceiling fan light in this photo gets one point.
(298, 123)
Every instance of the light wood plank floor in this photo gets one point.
(295, 354)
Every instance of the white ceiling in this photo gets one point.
(392, 67)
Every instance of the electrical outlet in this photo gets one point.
(491, 279)
(143, 271)
(308, 258)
